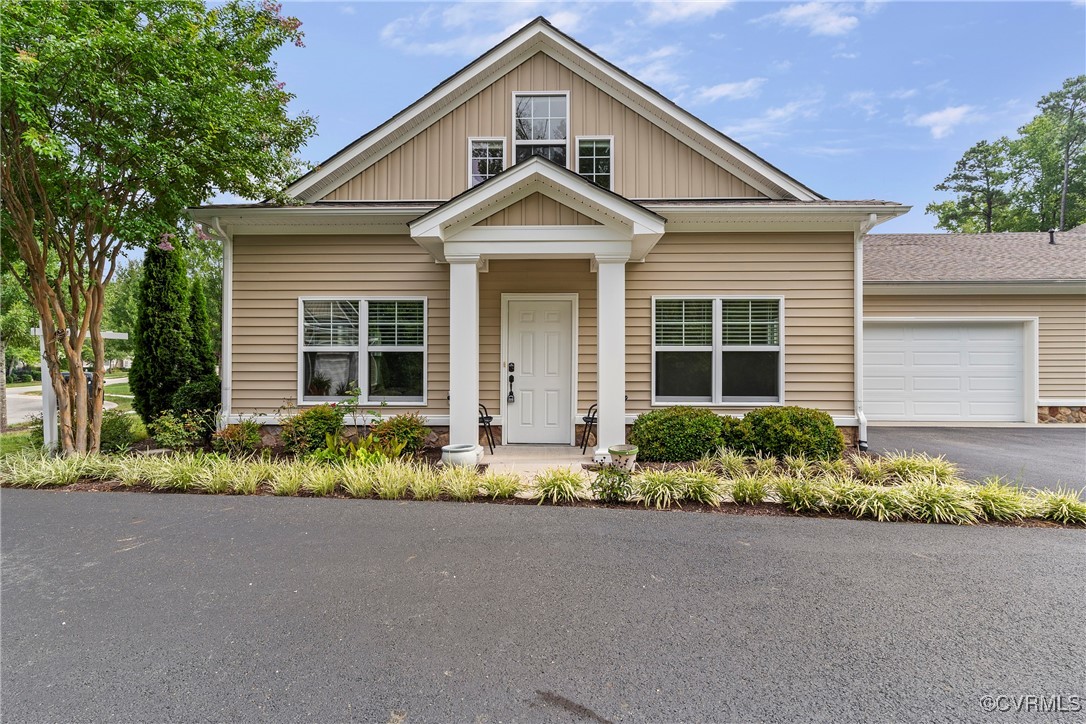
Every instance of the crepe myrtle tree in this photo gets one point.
(114, 117)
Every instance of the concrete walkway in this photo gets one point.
(530, 459)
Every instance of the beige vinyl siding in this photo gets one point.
(649, 163)
(1061, 328)
(814, 274)
(272, 272)
(529, 276)
(537, 210)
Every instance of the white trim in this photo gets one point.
(505, 155)
(513, 128)
(226, 357)
(577, 157)
(716, 349)
(535, 37)
(1030, 353)
(362, 348)
(1061, 402)
(1061, 286)
(503, 383)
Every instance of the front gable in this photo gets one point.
(537, 210)
(661, 152)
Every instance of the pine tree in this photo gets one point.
(203, 353)
(162, 361)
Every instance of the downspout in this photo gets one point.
(858, 317)
(226, 360)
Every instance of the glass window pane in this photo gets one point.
(329, 375)
(684, 322)
(684, 376)
(396, 323)
(750, 322)
(330, 323)
(554, 153)
(750, 376)
(396, 376)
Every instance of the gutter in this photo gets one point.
(226, 361)
(858, 327)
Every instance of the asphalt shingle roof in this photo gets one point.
(997, 257)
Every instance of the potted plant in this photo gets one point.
(623, 457)
(319, 385)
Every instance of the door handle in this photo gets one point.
(511, 397)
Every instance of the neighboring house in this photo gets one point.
(540, 233)
(975, 327)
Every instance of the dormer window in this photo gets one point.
(486, 158)
(541, 126)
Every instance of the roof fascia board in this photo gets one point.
(903, 288)
(752, 217)
(308, 220)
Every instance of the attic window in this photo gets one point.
(486, 159)
(541, 126)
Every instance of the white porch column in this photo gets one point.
(611, 351)
(463, 350)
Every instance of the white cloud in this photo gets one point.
(774, 120)
(943, 122)
(347, 9)
(731, 91)
(655, 67)
(846, 56)
(903, 93)
(661, 12)
(818, 18)
(865, 101)
(470, 28)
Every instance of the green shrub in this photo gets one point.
(780, 431)
(675, 434)
(241, 438)
(118, 434)
(803, 495)
(501, 485)
(308, 430)
(200, 395)
(660, 488)
(407, 429)
(1000, 501)
(749, 490)
(869, 501)
(1061, 506)
(730, 463)
(612, 485)
(37, 432)
(899, 467)
(178, 431)
(559, 485)
(426, 484)
(735, 435)
(393, 479)
(700, 486)
(934, 502)
(460, 482)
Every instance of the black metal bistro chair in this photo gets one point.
(589, 423)
(485, 418)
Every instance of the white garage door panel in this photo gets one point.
(946, 371)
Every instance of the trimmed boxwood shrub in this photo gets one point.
(307, 431)
(200, 395)
(780, 431)
(675, 434)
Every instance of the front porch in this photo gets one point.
(527, 460)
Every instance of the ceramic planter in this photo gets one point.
(461, 455)
(623, 457)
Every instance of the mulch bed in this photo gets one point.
(759, 509)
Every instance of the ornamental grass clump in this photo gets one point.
(868, 469)
(320, 480)
(730, 463)
(289, 478)
(762, 465)
(749, 490)
(860, 500)
(180, 473)
(917, 467)
(500, 485)
(1061, 506)
(799, 466)
(460, 482)
(934, 502)
(426, 484)
(1000, 501)
(216, 476)
(358, 480)
(660, 488)
(559, 485)
(803, 495)
(703, 487)
(393, 479)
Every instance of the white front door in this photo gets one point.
(539, 346)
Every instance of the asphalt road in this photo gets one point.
(1045, 456)
(135, 607)
(25, 402)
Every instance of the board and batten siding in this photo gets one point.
(1061, 330)
(814, 274)
(538, 210)
(649, 163)
(272, 272)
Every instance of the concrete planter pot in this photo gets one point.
(623, 457)
(461, 455)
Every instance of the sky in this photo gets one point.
(865, 100)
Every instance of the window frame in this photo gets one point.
(718, 348)
(363, 350)
(492, 139)
(577, 158)
(513, 124)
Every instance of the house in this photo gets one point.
(975, 327)
(540, 233)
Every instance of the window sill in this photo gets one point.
(656, 403)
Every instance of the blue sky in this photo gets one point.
(856, 100)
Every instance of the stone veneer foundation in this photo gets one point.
(1061, 414)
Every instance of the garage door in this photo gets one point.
(953, 371)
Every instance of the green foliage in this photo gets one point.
(118, 433)
(749, 490)
(499, 485)
(199, 397)
(780, 431)
(179, 431)
(1062, 506)
(910, 467)
(934, 502)
(803, 495)
(735, 435)
(1000, 501)
(979, 178)
(162, 362)
(675, 434)
(426, 484)
(319, 480)
(882, 503)
(559, 485)
(460, 482)
(203, 355)
(308, 430)
(357, 479)
(660, 488)
(700, 486)
(366, 450)
(730, 463)
(407, 429)
(240, 438)
(393, 479)
(612, 485)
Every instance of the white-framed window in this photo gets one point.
(595, 159)
(718, 350)
(541, 126)
(375, 345)
(486, 158)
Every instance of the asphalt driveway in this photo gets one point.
(1041, 456)
(136, 607)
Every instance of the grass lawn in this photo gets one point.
(32, 383)
(13, 442)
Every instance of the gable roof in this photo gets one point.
(997, 257)
(540, 36)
